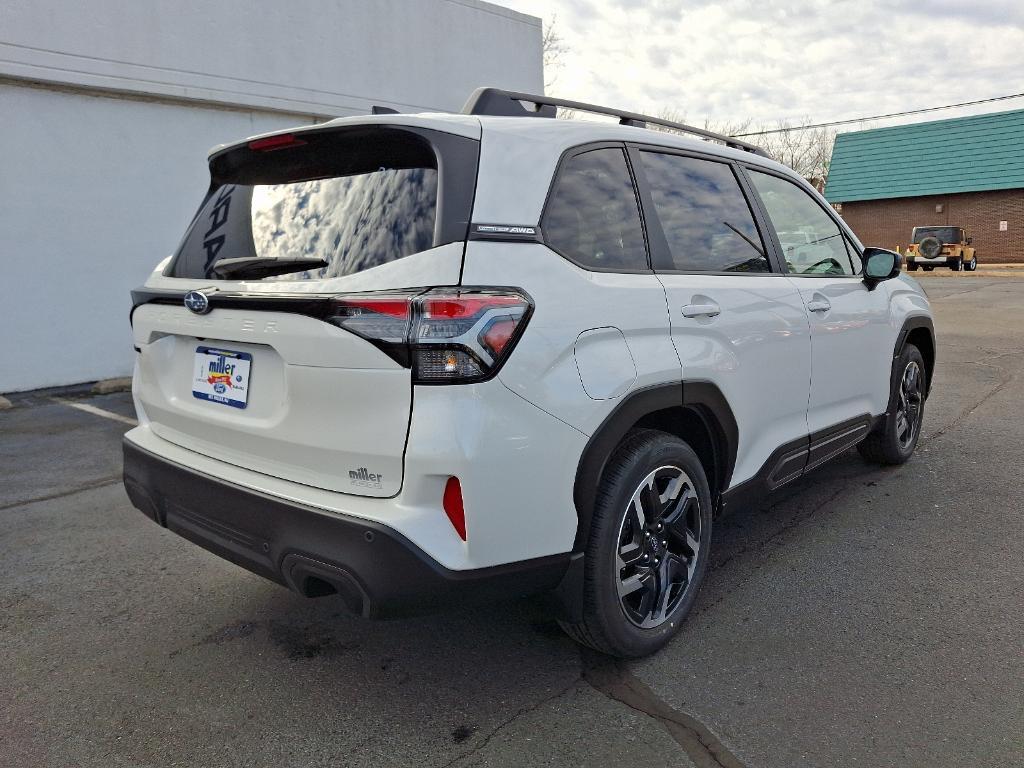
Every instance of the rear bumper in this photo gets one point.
(377, 571)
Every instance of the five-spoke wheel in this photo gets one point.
(659, 544)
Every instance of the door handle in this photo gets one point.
(819, 305)
(702, 310)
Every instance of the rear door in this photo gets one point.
(851, 339)
(735, 322)
(258, 369)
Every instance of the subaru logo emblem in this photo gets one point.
(197, 302)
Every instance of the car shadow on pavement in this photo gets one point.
(462, 672)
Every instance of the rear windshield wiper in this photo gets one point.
(264, 266)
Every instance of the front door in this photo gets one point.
(851, 343)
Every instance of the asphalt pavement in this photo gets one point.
(863, 616)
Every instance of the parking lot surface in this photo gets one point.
(863, 616)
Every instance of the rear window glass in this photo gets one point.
(944, 234)
(593, 217)
(353, 205)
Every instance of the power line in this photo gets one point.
(879, 117)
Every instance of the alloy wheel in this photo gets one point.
(908, 410)
(658, 546)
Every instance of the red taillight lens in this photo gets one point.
(374, 316)
(498, 334)
(453, 506)
(463, 306)
(271, 143)
(445, 335)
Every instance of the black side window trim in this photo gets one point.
(567, 156)
(658, 244)
(746, 169)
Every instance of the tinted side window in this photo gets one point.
(593, 217)
(812, 243)
(705, 217)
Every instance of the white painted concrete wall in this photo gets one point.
(325, 57)
(107, 110)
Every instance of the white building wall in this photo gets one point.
(107, 110)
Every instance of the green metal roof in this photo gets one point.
(965, 154)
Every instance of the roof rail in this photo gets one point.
(495, 101)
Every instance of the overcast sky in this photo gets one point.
(771, 60)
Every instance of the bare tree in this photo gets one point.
(725, 128)
(671, 114)
(808, 151)
(554, 50)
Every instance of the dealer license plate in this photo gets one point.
(221, 376)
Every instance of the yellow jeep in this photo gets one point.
(932, 247)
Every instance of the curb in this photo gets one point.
(109, 386)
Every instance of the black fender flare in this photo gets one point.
(702, 397)
(910, 324)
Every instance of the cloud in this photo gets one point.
(785, 59)
(351, 222)
(995, 13)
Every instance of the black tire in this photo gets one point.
(889, 443)
(614, 591)
(928, 267)
(912, 267)
(971, 265)
(957, 266)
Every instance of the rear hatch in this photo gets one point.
(250, 338)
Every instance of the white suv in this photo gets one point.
(415, 360)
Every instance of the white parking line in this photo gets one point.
(96, 411)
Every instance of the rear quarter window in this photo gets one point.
(592, 216)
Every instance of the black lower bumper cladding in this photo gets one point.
(377, 571)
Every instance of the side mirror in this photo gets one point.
(970, 240)
(880, 264)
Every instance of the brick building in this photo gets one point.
(966, 172)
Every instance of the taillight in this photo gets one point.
(456, 336)
(446, 335)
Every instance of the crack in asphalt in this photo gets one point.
(794, 522)
(510, 720)
(972, 289)
(1007, 377)
(61, 494)
(614, 680)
